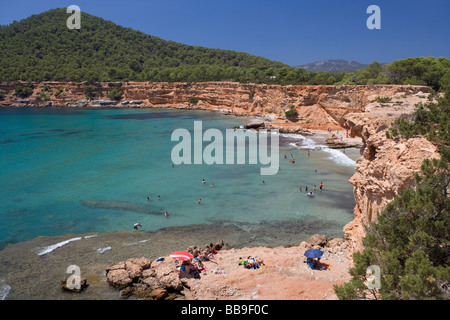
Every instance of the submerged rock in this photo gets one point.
(77, 289)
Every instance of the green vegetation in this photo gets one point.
(410, 242)
(42, 48)
(415, 71)
(115, 94)
(383, 99)
(430, 120)
(90, 92)
(24, 92)
(193, 100)
(291, 113)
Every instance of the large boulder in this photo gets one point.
(317, 240)
(123, 274)
(143, 278)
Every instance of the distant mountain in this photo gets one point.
(330, 65)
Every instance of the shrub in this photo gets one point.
(24, 92)
(291, 113)
(383, 99)
(115, 94)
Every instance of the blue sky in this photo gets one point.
(291, 31)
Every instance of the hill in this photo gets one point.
(42, 48)
(334, 66)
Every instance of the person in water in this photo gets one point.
(203, 181)
(148, 198)
(136, 225)
(200, 201)
(166, 214)
(159, 197)
(306, 189)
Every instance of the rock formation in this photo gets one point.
(318, 107)
(144, 278)
(386, 166)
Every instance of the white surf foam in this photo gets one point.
(101, 250)
(339, 157)
(305, 143)
(4, 291)
(49, 249)
(138, 242)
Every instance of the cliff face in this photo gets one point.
(386, 167)
(318, 107)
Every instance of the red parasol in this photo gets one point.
(181, 255)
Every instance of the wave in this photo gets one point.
(101, 250)
(134, 243)
(49, 249)
(4, 291)
(305, 143)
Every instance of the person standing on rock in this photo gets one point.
(136, 225)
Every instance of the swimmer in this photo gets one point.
(263, 183)
(159, 197)
(306, 189)
(136, 225)
(148, 198)
(300, 188)
(285, 155)
(200, 201)
(212, 185)
(203, 181)
(166, 214)
(314, 188)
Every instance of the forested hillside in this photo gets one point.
(42, 48)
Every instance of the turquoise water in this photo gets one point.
(69, 171)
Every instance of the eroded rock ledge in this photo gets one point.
(318, 107)
(283, 275)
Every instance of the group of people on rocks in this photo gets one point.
(251, 263)
(195, 265)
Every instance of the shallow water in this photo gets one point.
(71, 172)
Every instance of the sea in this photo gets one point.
(75, 181)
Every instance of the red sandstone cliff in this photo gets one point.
(319, 107)
(386, 167)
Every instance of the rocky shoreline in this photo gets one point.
(224, 279)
